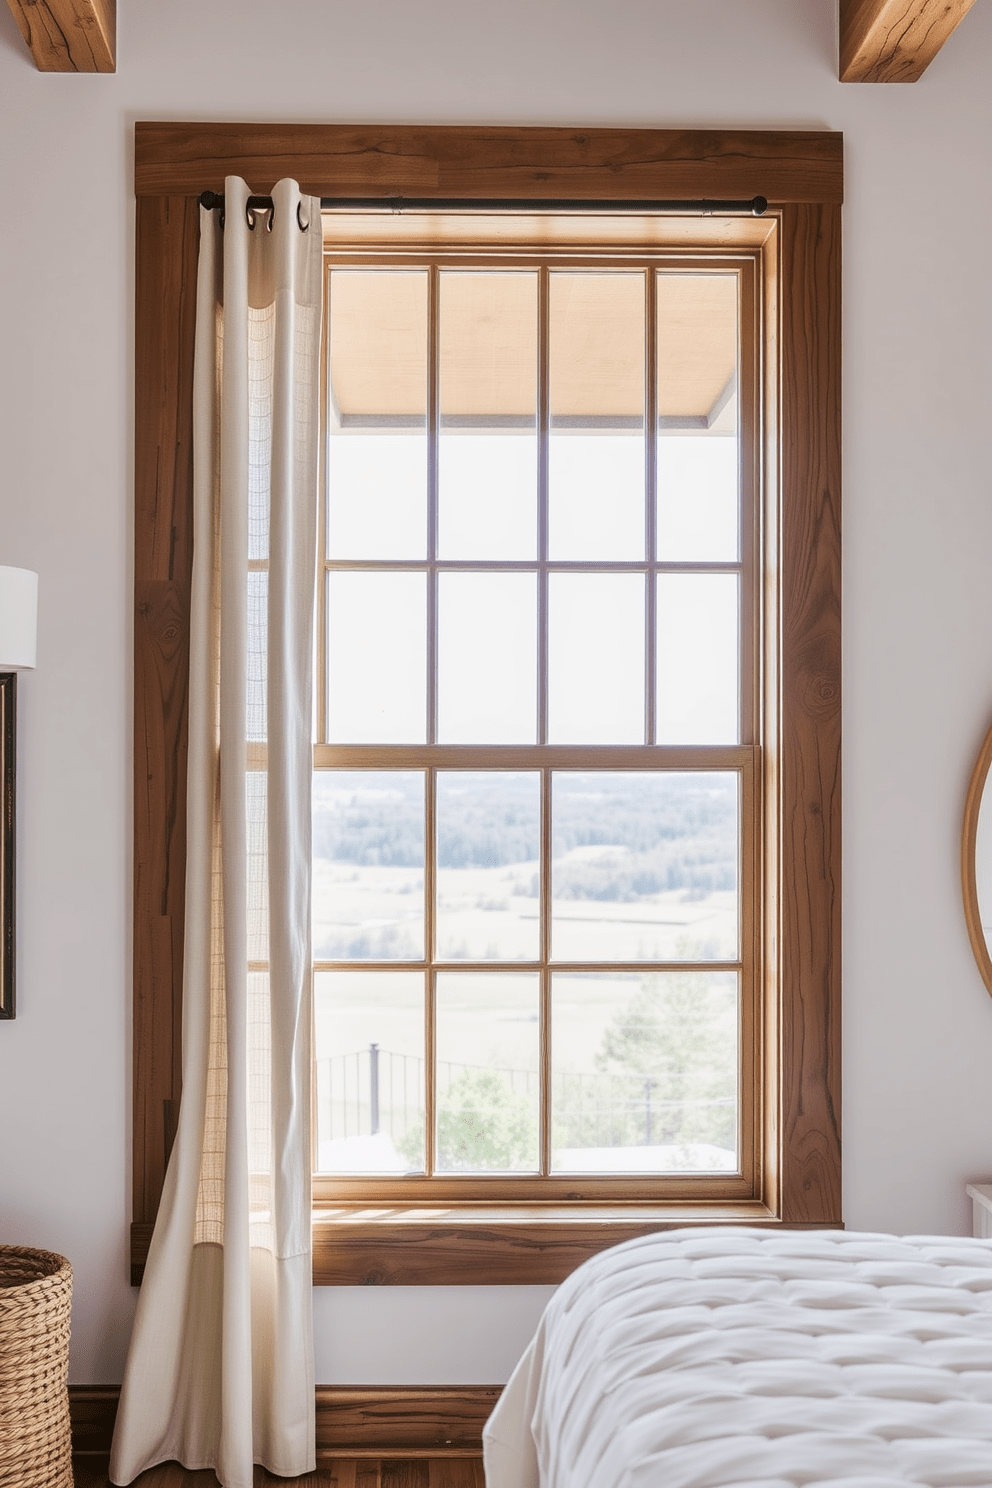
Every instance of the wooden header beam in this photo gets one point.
(894, 41)
(487, 162)
(69, 35)
(881, 41)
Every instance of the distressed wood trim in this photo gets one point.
(809, 736)
(411, 160)
(894, 41)
(355, 1421)
(69, 35)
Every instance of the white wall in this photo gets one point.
(918, 546)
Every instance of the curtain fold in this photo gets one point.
(220, 1369)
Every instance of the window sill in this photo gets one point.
(480, 1245)
(486, 1246)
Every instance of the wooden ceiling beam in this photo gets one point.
(894, 41)
(881, 41)
(69, 35)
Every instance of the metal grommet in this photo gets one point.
(303, 226)
(212, 200)
(256, 204)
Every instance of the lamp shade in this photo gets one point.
(18, 618)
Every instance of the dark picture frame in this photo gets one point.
(8, 738)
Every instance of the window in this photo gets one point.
(506, 554)
(535, 786)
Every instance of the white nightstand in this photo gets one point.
(981, 1209)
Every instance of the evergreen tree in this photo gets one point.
(677, 1039)
(484, 1125)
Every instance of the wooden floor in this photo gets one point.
(339, 1472)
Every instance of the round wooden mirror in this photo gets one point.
(976, 861)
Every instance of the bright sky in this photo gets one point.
(487, 622)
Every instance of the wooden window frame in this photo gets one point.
(801, 175)
(652, 248)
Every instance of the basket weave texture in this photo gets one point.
(35, 1303)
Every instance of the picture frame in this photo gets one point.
(8, 737)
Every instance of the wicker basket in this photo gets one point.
(35, 1302)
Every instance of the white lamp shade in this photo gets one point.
(18, 618)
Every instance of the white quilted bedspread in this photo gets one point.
(703, 1358)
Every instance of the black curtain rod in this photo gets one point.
(755, 206)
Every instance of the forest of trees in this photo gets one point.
(679, 829)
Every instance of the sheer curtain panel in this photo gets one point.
(220, 1371)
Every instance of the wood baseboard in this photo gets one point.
(405, 1420)
(354, 1420)
(92, 1411)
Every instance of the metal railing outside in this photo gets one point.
(375, 1089)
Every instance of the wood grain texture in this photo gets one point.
(335, 1472)
(458, 1250)
(403, 1420)
(894, 41)
(167, 238)
(455, 1250)
(411, 160)
(809, 744)
(366, 1420)
(69, 35)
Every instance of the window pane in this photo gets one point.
(596, 473)
(488, 867)
(369, 1049)
(644, 866)
(256, 659)
(697, 499)
(697, 417)
(644, 1073)
(376, 658)
(487, 658)
(368, 865)
(377, 485)
(596, 496)
(487, 475)
(257, 863)
(698, 659)
(377, 414)
(596, 658)
(487, 1073)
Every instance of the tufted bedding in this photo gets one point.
(704, 1358)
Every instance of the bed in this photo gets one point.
(701, 1358)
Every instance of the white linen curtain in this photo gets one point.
(220, 1370)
